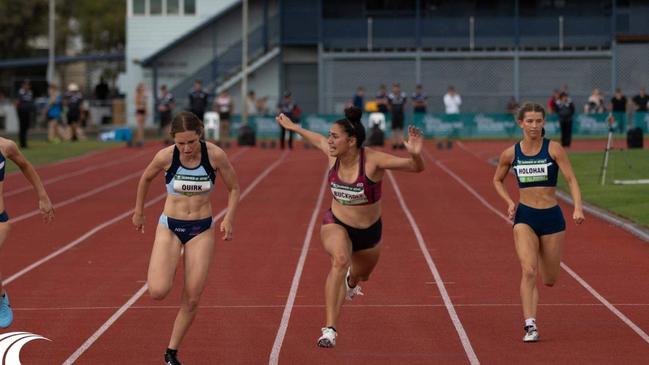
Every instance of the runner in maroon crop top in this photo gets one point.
(351, 228)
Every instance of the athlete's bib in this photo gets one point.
(349, 195)
(190, 185)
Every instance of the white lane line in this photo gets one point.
(85, 236)
(572, 273)
(290, 301)
(68, 175)
(104, 327)
(274, 306)
(79, 197)
(464, 338)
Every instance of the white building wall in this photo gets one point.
(146, 34)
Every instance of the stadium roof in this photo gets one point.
(42, 61)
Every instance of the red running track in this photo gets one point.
(264, 300)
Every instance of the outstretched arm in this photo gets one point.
(44, 204)
(414, 146)
(316, 139)
(561, 157)
(504, 163)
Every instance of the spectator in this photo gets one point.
(618, 102)
(101, 90)
(419, 99)
(224, 105)
(166, 105)
(140, 113)
(359, 98)
(291, 111)
(512, 106)
(452, 101)
(397, 100)
(262, 105)
(198, 100)
(565, 110)
(56, 130)
(251, 103)
(552, 101)
(73, 100)
(25, 108)
(382, 99)
(595, 103)
(641, 101)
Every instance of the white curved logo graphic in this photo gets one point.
(12, 342)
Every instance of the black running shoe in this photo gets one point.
(171, 359)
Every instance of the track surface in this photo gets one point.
(445, 290)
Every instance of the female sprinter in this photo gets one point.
(351, 229)
(539, 227)
(184, 228)
(8, 149)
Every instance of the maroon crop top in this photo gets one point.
(363, 191)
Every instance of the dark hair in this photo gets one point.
(352, 125)
(529, 107)
(184, 122)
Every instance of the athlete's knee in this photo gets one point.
(190, 303)
(340, 261)
(550, 280)
(158, 292)
(529, 272)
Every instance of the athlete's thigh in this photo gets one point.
(550, 253)
(5, 227)
(198, 257)
(335, 240)
(164, 257)
(527, 245)
(364, 261)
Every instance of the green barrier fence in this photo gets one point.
(464, 125)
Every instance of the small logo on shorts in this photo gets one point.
(12, 342)
(181, 230)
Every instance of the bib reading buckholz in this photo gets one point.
(349, 195)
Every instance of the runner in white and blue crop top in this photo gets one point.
(9, 150)
(539, 226)
(190, 167)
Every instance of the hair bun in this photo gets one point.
(353, 114)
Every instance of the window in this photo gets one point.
(190, 7)
(155, 7)
(172, 7)
(138, 7)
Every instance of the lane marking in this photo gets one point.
(290, 301)
(68, 175)
(572, 273)
(104, 327)
(464, 338)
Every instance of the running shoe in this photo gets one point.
(171, 359)
(531, 334)
(6, 314)
(351, 292)
(328, 338)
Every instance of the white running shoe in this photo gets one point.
(531, 334)
(328, 338)
(351, 292)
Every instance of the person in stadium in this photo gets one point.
(539, 226)
(141, 104)
(351, 228)
(185, 226)
(9, 150)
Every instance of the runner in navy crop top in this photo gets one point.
(539, 226)
(184, 229)
(351, 228)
